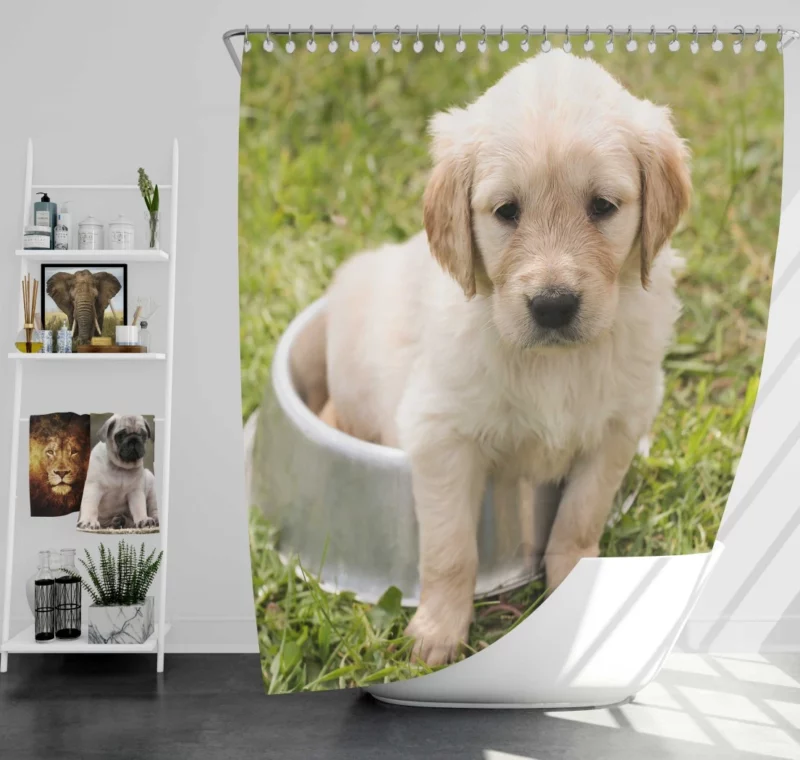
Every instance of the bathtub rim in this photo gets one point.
(308, 423)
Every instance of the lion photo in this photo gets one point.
(58, 462)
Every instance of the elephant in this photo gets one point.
(83, 297)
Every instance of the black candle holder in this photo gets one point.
(45, 596)
(68, 597)
(68, 607)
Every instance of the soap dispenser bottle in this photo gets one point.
(44, 213)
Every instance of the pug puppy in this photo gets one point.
(120, 492)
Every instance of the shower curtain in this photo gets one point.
(551, 351)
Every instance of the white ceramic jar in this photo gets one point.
(90, 235)
(120, 234)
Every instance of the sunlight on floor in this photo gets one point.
(756, 672)
(729, 702)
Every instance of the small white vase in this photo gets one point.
(132, 624)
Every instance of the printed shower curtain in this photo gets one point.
(501, 309)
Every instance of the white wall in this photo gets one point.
(104, 87)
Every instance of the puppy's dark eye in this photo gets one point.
(601, 208)
(508, 212)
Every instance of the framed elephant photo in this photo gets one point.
(90, 300)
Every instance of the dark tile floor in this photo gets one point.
(213, 706)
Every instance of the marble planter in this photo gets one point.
(132, 624)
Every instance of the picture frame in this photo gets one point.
(60, 290)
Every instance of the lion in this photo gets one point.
(60, 445)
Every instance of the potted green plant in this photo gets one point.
(121, 612)
(151, 200)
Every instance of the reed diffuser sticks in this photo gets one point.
(30, 293)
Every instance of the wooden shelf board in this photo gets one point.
(25, 643)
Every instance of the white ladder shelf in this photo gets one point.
(24, 641)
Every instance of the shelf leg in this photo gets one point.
(164, 506)
(12, 511)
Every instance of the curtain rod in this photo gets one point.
(787, 36)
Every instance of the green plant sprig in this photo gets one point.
(149, 193)
(122, 580)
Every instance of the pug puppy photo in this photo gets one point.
(120, 490)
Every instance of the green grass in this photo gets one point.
(311, 640)
(333, 159)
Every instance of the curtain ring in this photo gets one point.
(567, 42)
(779, 43)
(290, 46)
(503, 46)
(716, 43)
(353, 40)
(545, 42)
(739, 44)
(247, 43)
(651, 46)
(674, 44)
(397, 43)
(631, 45)
(760, 45)
(461, 46)
(268, 45)
(439, 44)
(482, 41)
(375, 46)
(588, 43)
(311, 44)
(526, 43)
(418, 42)
(695, 44)
(333, 45)
(610, 41)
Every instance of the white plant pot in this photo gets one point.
(131, 624)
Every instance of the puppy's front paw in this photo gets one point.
(148, 522)
(89, 524)
(438, 631)
(560, 563)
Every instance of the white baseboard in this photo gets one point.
(238, 635)
(200, 635)
(213, 636)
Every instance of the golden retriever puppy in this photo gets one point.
(524, 332)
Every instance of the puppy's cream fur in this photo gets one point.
(431, 345)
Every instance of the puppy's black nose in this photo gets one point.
(554, 310)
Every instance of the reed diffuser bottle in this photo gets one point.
(29, 339)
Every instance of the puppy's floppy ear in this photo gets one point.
(148, 428)
(446, 205)
(666, 183)
(107, 430)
